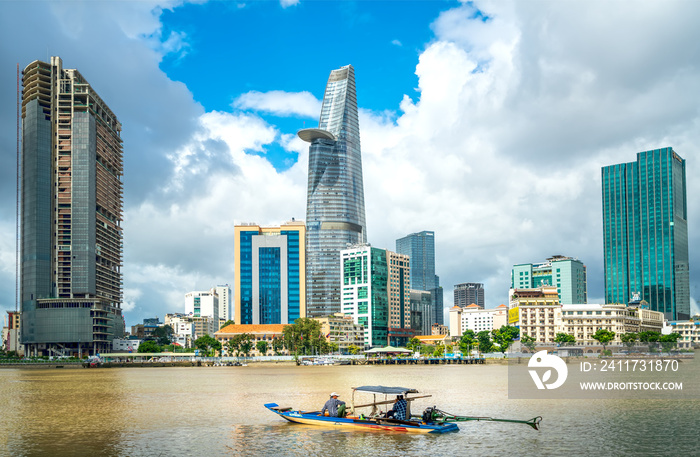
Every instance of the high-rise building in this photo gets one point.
(399, 330)
(469, 293)
(269, 274)
(645, 229)
(224, 293)
(71, 205)
(420, 248)
(365, 280)
(567, 274)
(421, 311)
(335, 206)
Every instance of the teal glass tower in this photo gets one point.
(335, 206)
(420, 248)
(645, 231)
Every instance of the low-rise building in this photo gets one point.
(259, 332)
(476, 319)
(689, 332)
(439, 329)
(126, 344)
(11, 333)
(342, 330)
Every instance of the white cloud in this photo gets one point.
(280, 103)
(288, 3)
(396, 43)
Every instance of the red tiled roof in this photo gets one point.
(234, 329)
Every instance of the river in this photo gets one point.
(216, 411)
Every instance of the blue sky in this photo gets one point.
(486, 122)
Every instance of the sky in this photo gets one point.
(485, 122)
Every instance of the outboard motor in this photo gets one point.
(428, 415)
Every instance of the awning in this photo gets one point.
(383, 390)
(388, 350)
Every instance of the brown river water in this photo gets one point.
(212, 411)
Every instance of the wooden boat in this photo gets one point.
(373, 420)
(432, 420)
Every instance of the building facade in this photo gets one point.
(399, 331)
(11, 333)
(689, 332)
(421, 311)
(567, 274)
(473, 318)
(202, 304)
(71, 213)
(269, 274)
(645, 231)
(365, 280)
(335, 206)
(420, 248)
(469, 292)
(268, 333)
(224, 294)
(342, 330)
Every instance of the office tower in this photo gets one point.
(399, 330)
(71, 213)
(420, 248)
(567, 274)
(645, 229)
(469, 293)
(335, 206)
(224, 293)
(269, 274)
(421, 311)
(365, 288)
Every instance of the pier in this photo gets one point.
(420, 361)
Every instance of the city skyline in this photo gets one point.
(485, 123)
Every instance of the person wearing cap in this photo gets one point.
(335, 407)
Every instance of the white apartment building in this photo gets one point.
(224, 294)
(689, 331)
(472, 317)
(125, 345)
(202, 304)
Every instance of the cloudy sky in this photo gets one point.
(487, 123)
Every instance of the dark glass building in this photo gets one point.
(645, 230)
(71, 213)
(420, 248)
(335, 206)
(469, 292)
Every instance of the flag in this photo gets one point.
(329, 334)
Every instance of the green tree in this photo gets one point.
(669, 341)
(484, 339)
(207, 344)
(505, 336)
(529, 342)
(564, 338)
(413, 344)
(148, 347)
(466, 341)
(233, 345)
(246, 344)
(354, 350)
(304, 337)
(603, 336)
(261, 346)
(227, 323)
(628, 339)
(163, 335)
(439, 351)
(651, 338)
(277, 345)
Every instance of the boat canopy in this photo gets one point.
(383, 390)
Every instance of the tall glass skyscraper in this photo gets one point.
(71, 204)
(645, 230)
(335, 205)
(420, 247)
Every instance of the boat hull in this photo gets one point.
(383, 425)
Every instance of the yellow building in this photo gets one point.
(266, 333)
(342, 330)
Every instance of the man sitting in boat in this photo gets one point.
(335, 407)
(399, 409)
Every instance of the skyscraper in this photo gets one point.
(71, 213)
(567, 274)
(469, 293)
(269, 274)
(335, 206)
(645, 230)
(420, 248)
